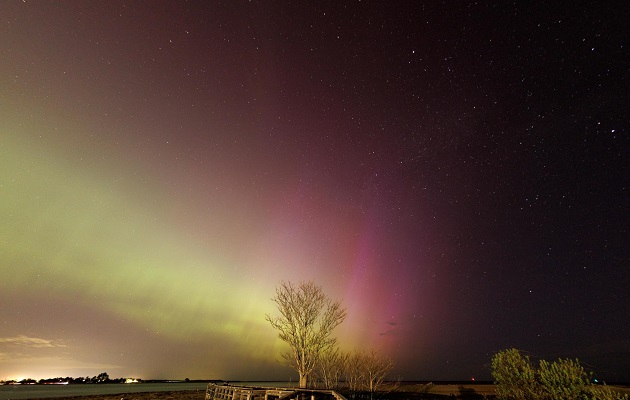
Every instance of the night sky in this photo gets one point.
(455, 173)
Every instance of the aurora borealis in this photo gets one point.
(456, 174)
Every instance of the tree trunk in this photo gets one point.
(302, 381)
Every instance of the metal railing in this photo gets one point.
(229, 392)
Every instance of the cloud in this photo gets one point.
(31, 342)
(391, 328)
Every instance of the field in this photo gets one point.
(174, 395)
(430, 390)
(401, 392)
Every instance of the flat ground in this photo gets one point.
(402, 392)
(176, 395)
(430, 390)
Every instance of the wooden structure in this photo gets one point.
(229, 392)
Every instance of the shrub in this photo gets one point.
(514, 376)
(565, 379)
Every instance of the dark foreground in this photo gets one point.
(403, 392)
(439, 391)
(173, 395)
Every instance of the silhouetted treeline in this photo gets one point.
(103, 377)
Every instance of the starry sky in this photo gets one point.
(455, 173)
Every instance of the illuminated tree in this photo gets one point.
(331, 367)
(376, 367)
(565, 379)
(367, 371)
(514, 376)
(307, 319)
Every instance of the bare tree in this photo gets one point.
(376, 368)
(354, 371)
(307, 319)
(367, 371)
(331, 367)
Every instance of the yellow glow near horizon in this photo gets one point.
(95, 229)
(73, 237)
